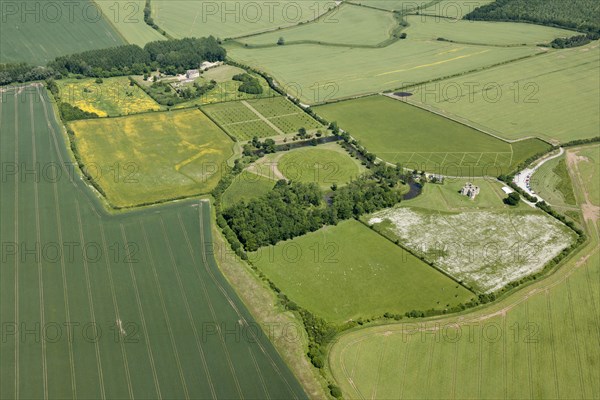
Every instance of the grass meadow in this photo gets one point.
(540, 342)
(348, 271)
(418, 139)
(246, 186)
(49, 31)
(425, 27)
(152, 157)
(348, 25)
(527, 98)
(316, 73)
(127, 17)
(114, 306)
(274, 116)
(228, 19)
(113, 97)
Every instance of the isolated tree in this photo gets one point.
(281, 41)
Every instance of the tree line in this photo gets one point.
(169, 56)
(571, 14)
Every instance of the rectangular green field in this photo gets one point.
(228, 19)
(555, 96)
(115, 306)
(36, 32)
(418, 139)
(348, 271)
(316, 73)
(127, 17)
(274, 116)
(153, 157)
(349, 25)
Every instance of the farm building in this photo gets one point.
(192, 74)
(206, 65)
(470, 191)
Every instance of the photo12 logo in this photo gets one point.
(265, 12)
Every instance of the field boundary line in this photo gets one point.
(141, 312)
(116, 310)
(260, 376)
(577, 354)
(380, 361)
(39, 240)
(233, 305)
(91, 302)
(262, 117)
(64, 285)
(164, 310)
(16, 232)
(187, 308)
(552, 346)
(211, 308)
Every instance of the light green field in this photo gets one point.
(113, 97)
(323, 165)
(506, 350)
(446, 197)
(455, 9)
(128, 18)
(589, 167)
(246, 186)
(554, 96)
(398, 5)
(317, 73)
(348, 271)
(349, 25)
(152, 157)
(400, 133)
(273, 116)
(553, 184)
(495, 33)
(227, 19)
(49, 31)
(116, 306)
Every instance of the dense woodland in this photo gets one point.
(292, 209)
(581, 15)
(169, 56)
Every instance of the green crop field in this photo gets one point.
(496, 33)
(418, 139)
(247, 186)
(227, 19)
(273, 116)
(348, 271)
(349, 25)
(316, 73)
(454, 9)
(152, 157)
(35, 32)
(398, 5)
(128, 18)
(528, 97)
(541, 342)
(113, 97)
(113, 306)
